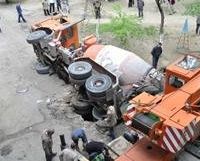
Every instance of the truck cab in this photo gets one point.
(62, 29)
(181, 71)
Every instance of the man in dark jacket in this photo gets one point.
(0, 26)
(198, 25)
(58, 3)
(156, 52)
(19, 11)
(140, 6)
(130, 3)
(47, 143)
(95, 148)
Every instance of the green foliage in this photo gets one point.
(193, 9)
(125, 26)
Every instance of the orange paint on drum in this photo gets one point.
(93, 51)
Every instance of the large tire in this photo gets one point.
(79, 112)
(97, 85)
(86, 115)
(97, 114)
(36, 36)
(80, 105)
(80, 70)
(42, 69)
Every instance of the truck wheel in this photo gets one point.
(80, 70)
(42, 69)
(98, 115)
(86, 115)
(80, 105)
(36, 36)
(82, 112)
(97, 85)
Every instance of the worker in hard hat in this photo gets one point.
(109, 122)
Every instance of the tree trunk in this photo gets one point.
(158, 2)
(7, 1)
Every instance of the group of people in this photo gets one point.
(49, 6)
(140, 6)
(96, 150)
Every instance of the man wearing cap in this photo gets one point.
(77, 134)
(47, 143)
(156, 52)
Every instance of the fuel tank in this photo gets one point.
(127, 66)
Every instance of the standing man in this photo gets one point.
(79, 134)
(156, 52)
(0, 25)
(52, 6)
(140, 6)
(19, 12)
(171, 6)
(97, 8)
(47, 143)
(109, 122)
(130, 3)
(45, 5)
(58, 3)
(198, 25)
(69, 154)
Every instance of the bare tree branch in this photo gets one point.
(158, 2)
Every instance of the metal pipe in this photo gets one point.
(63, 143)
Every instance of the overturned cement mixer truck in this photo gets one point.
(102, 74)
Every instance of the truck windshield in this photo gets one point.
(189, 63)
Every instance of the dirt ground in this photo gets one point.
(30, 102)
